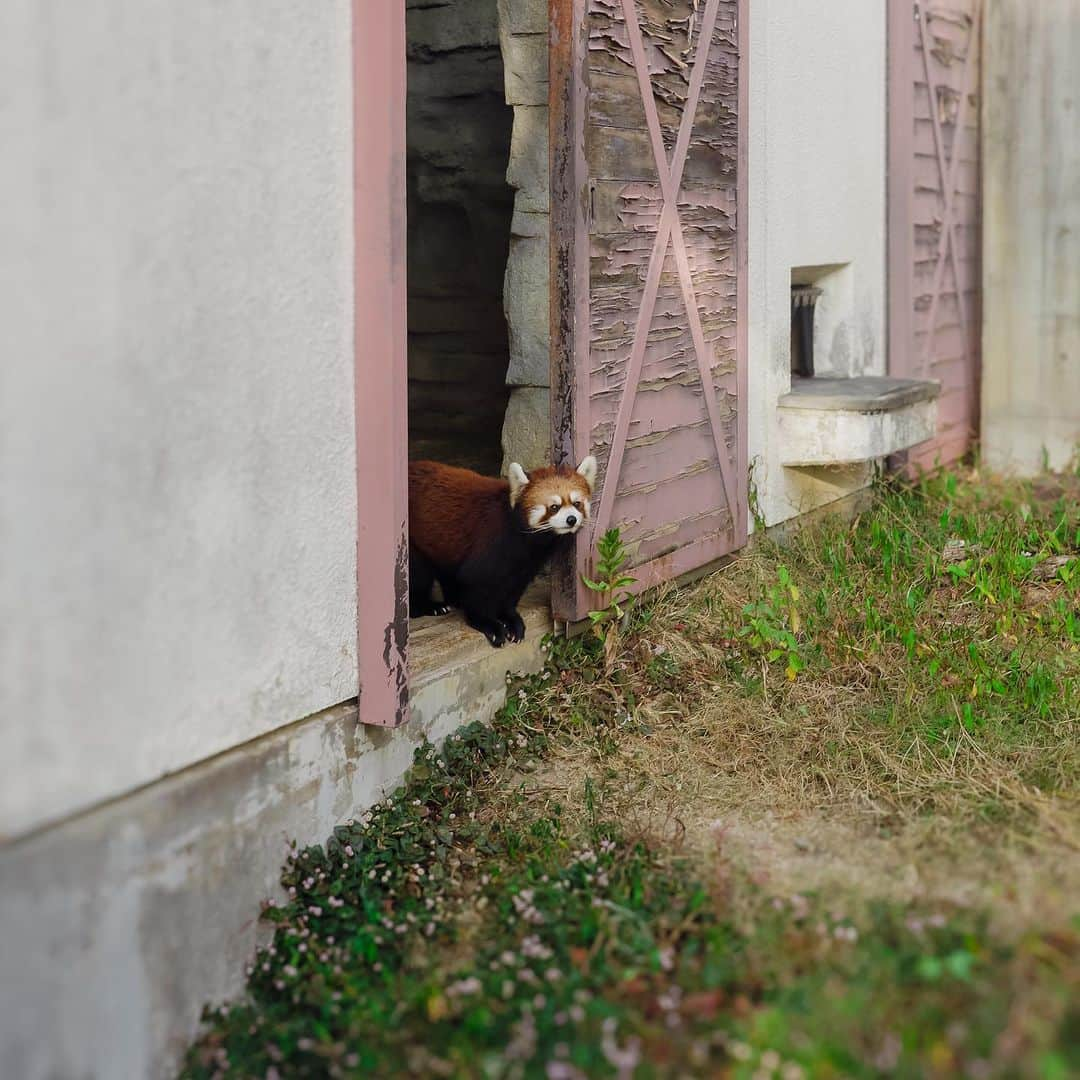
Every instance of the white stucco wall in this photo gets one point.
(1031, 241)
(817, 199)
(177, 483)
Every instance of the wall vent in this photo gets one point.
(804, 299)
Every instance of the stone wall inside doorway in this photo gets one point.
(524, 39)
(478, 221)
(459, 208)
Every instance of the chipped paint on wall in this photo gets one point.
(396, 634)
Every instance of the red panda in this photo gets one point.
(484, 540)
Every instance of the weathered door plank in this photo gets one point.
(648, 326)
(934, 211)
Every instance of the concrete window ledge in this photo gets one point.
(831, 421)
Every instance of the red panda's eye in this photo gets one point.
(555, 507)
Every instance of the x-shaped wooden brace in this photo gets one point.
(669, 230)
(947, 171)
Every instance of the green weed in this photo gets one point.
(612, 583)
(773, 624)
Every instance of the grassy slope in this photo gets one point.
(813, 816)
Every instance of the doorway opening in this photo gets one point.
(459, 206)
(477, 253)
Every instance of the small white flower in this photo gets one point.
(740, 1051)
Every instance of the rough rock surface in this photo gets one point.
(523, 34)
(460, 209)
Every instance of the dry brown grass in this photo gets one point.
(835, 780)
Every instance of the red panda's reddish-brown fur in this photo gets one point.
(484, 539)
(451, 510)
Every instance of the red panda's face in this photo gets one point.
(554, 500)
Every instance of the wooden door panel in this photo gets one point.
(935, 212)
(648, 146)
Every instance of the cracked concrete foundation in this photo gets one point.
(120, 924)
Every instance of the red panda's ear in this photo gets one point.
(519, 480)
(588, 469)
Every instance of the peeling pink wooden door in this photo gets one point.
(648, 141)
(382, 561)
(934, 211)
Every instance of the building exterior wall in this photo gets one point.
(1031, 253)
(177, 464)
(817, 203)
(121, 924)
(176, 391)
(178, 507)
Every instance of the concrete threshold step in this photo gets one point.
(441, 646)
(456, 677)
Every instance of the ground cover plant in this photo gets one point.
(815, 815)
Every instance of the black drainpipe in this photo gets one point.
(804, 298)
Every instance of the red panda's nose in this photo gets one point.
(571, 521)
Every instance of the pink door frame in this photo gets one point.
(381, 380)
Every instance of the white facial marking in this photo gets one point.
(560, 523)
(536, 515)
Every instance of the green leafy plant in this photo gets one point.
(773, 624)
(611, 585)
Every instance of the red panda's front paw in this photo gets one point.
(515, 627)
(491, 628)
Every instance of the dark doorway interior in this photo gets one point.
(460, 208)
